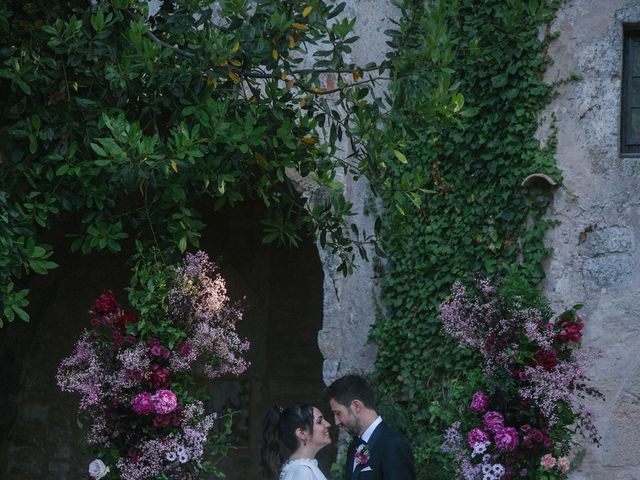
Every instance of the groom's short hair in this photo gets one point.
(346, 389)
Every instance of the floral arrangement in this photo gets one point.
(136, 375)
(528, 403)
(362, 454)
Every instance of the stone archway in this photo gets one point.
(279, 289)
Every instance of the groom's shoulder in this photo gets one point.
(390, 434)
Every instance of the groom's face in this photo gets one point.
(345, 417)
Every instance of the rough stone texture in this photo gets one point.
(595, 246)
(350, 303)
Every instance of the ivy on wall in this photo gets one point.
(473, 215)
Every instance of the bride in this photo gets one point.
(290, 441)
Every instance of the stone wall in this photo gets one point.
(595, 259)
(350, 303)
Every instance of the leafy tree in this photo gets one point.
(141, 121)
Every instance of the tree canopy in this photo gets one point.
(141, 121)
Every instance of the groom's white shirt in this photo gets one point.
(367, 435)
(369, 431)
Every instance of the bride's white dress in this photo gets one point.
(301, 469)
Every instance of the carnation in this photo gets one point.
(493, 421)
(507, 439)
(164, 401)
(477, 435)
(142, 403)
(479, 402)
(548, 461)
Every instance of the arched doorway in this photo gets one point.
(279, 289)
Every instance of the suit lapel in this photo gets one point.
(375, 436)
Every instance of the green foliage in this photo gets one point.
(479, 218)
(140, 124)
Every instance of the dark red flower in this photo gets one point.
(571, 331)
(159, 376)
(125, 319)
(184, 349)
(548, 360)
(134, 455)
(162, 420)
(105, 304)
(489, 343)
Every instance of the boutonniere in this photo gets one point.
(362, 454)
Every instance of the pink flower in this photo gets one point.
(507, 439)
(142, 403)
(548, 461)
(164, 401)
(477, 435)
(564, 463)
(493, 421)
(479, 402)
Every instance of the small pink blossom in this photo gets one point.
(548, 461)
(164, 401)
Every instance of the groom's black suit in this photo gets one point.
(390, 457)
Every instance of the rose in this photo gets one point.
(564, 463)
(548, 360)
(184, 349)
(123, 320)
(477, 435)
(570, 331)
(526, 428)
(489, 343)
(479, 402)
(105, 304)
(159, 376)
(164, 401)
(162, 420)
(142, 403)
(507, 439)
(97, 469)
(548, 461)
(493, 420)
(134, 455)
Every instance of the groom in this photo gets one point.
(376, 452)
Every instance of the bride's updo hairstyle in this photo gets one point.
(279, 438)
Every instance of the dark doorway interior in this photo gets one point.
(279, 289)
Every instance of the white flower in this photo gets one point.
(97, 469)
(171, 456)
(183, 458)
(479, 448)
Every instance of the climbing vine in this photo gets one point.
(473, 214)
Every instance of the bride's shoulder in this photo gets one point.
(295, 467)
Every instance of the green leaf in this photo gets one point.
(400, 156)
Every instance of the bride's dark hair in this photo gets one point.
(279, 438)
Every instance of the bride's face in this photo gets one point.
(320, 433)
